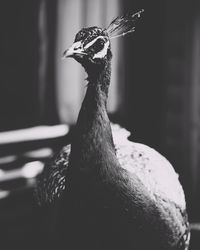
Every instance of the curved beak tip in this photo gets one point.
(65, 54)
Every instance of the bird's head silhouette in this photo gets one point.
(92, 45)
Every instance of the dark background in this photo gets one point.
(161, 106)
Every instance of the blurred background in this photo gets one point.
(154, 93)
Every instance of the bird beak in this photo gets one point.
(75, 49)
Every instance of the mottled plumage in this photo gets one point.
(52, 181)
(151, 168)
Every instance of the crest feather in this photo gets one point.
(123, 25)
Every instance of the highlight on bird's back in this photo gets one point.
(124, 24)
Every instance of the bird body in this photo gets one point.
(116, 194)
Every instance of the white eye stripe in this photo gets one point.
(103, 52)
(92, 42)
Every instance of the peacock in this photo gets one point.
(114, 194)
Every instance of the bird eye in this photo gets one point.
(99, 45)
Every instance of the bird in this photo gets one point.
(114, 194)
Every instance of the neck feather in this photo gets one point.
(94, 106)
(93, 131)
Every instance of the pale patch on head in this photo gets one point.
(77, 45)
(103, 52)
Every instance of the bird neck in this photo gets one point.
(93, 132)
(98, 86)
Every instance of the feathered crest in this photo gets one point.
(123, 25)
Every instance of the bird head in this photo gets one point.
(92, 46)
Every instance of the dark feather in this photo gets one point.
(51, 183)
(123, 25)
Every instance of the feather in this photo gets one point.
(123, 25)
(52, 182)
